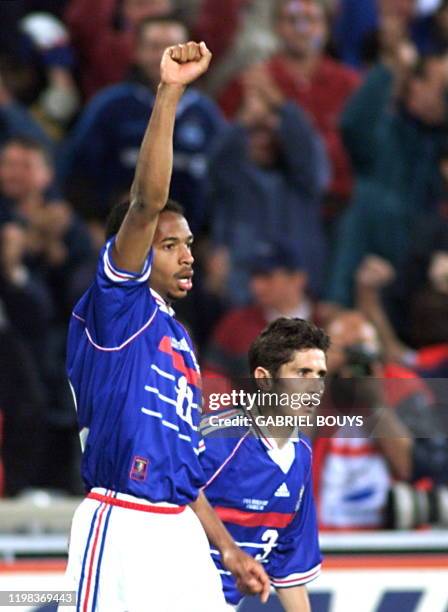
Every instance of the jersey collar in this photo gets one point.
(283, 456)
(268, 441)
(163, 306)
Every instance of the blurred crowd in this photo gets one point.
(312, 162)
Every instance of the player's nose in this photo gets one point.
(186, 256)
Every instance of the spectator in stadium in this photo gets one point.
(105, 143)
(105, 41)
(58, 246)
(239, 32)
(26, 177)
(354, 20)
(267, 178)
(47, 49)
(303, 73)
(426, 313)
(59, 258)
(353, 475)
(13, 12)
(386, 138)
(439, 29)
(25, 297)
(25, 312)
(278, 286)
(16, 120)
(362, 27)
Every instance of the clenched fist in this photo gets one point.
(183, 64)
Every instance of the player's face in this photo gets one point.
(304, 373)
(301, 27)
(172, 271)
(154, 39)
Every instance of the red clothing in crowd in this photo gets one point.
(218, 23)
(324, 97)
(226, 354)
(105, 53)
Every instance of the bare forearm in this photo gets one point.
(155, 162)
(249, 575)
(213, 526)
(369, 302)
(180, 65)
(294, 599)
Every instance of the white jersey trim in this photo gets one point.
(126, 342)
(223, 465)
(175, 427)
(305, 443)
(296, 579)
(121, 276)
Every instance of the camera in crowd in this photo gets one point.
(353, 385)
(360, 360)
(409, 507)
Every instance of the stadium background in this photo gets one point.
(313, 166)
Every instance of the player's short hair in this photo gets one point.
(30, 144)
(278, 342)
(119, 212)
(169, 19)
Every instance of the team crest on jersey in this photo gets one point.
(139, 469)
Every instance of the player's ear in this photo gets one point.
(263, 378)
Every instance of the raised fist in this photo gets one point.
(183, 64)
(374, 272)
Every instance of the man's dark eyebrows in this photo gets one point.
(170, 239)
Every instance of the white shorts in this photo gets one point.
(127, 560)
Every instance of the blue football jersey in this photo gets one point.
(137, 389)
(263, 494)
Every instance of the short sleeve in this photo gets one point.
(121, 304)
(296, 559)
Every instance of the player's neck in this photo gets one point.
(274, 429)
(160, 294)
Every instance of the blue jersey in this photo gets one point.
(136, 384)
(263, 494)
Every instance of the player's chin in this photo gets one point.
(178, 293)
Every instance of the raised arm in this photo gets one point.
(180, 66)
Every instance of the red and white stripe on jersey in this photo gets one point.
(297, 579)
(120, 276)
(353, 447)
